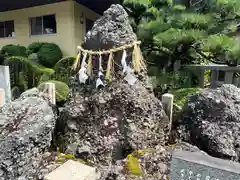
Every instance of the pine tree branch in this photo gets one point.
(229, 19)
(208, 58)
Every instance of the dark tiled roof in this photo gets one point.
(96, 5)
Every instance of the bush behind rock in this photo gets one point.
(34, 47)
(49, 54)
(14, 50)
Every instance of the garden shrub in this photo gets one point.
(23, 71)
(14, 50)
(181, 95)
(2, 59)
(34, 47)
(33, 57)
(63, 69)
(62, 90)
(65, 62)
(49, 54)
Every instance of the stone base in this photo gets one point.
(72, 170)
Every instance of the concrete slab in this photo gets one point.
(72, 170)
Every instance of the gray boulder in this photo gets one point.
(25, 134)
(211, 121)
(111, 30)
(103, 126)
(108, 124)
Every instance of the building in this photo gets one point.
(63, 22)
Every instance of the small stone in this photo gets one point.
(1, 172)
(72, 125)
(44, 171)
(22, 178)
(46, 155)
(7, 163)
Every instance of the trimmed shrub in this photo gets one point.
(25, 72)
(63, 69)
(49, 54)
(33, 57)
(34, 47)
(14, 50)
(2, 59)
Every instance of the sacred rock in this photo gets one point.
(111, 30)
(108, 124)
(111, 51)
(104, 125)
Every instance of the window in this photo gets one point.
(43, 25)
(89, 24)
(7, 29)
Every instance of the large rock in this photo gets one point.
(103, 126)
(211, 120)
(111, 30)
(25, 134)
(108, 124)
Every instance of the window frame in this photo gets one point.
(42, 34)
(5, 37)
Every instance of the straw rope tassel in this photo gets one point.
(109, 66)
(89, 65)
(137, 59)
(141, 59)
(77, 60)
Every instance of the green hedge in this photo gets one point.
(49, 54)
(14, 50)
(23, 71)
(63, 69)
(34, 47)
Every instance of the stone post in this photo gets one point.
(51, 90)
(214, 79)
(228, 79)
(2, 97)
(201, 79)
(5, 82)
(167, 101)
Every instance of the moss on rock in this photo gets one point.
(133, 164)
(62, 158)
